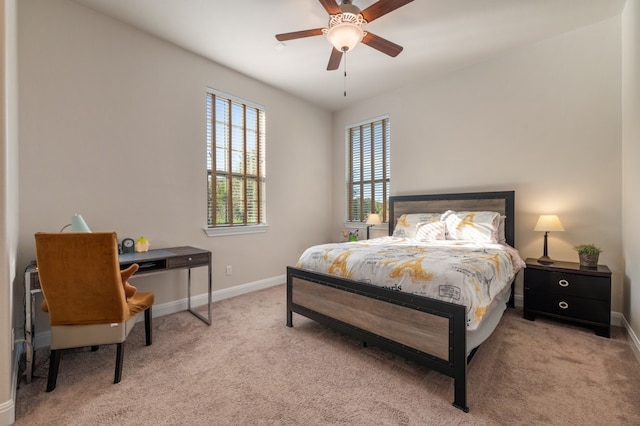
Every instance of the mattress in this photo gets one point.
(476, 275)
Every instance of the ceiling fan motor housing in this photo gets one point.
(348, 7)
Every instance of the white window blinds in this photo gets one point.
(368, 169)
(235, 161)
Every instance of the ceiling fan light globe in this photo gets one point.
(345, 36)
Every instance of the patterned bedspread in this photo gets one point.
(462, 272)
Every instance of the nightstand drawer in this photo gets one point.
(572, 307)
(563, 283)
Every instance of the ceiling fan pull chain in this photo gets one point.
(345, 73)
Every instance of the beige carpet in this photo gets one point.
(248, 368)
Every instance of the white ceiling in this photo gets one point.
(438, 36)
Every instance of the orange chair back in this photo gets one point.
(80, 277)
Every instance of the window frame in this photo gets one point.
(259, 177)
(384, 179)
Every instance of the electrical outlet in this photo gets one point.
(229, 270)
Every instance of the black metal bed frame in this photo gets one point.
(455, 364)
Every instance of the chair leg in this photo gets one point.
(147, 326)
(119, 358)
(54, 363)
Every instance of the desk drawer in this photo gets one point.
(188, 261)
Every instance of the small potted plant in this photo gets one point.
(350, 235)
(588, 254)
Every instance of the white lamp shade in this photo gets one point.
(345, 36)
(78, 224)
(373, 219)
(548, 223)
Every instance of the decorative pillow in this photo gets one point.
(472, 226)
(502, 238)
(407, 224)
(431, 231)
(125, 274)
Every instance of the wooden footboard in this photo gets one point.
(428, 331)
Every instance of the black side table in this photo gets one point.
(568, 291)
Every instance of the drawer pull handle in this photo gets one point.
(563, 305)
(190, 259)
(563, 283)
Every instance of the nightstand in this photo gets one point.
(567, 291)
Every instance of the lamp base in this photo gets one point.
(545, 260)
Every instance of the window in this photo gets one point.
(235, 162)
(368, 169)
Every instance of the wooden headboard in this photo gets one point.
(502, 202)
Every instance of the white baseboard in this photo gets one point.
(181, 305)
(634, 342)
(8, 412)
(8, 408)
(42, 339)
(518, 300)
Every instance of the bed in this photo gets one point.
(426, 330)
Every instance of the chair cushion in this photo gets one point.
(140, 302)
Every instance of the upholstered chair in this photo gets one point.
(85, 297)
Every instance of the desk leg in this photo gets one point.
(209, 290)
(206, 319)
(189, 290)
(29, 302)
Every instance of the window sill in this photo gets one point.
(235, 230)
(363, 225)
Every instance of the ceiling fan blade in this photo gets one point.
(299, 34)
(381, 8)
(331, 7)
(381, 44)
(334, 60)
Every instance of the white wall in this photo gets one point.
(544, 121)
(113, 127)
(8, 206)
(631, 160)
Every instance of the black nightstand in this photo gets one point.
(568, 291)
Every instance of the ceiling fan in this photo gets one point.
(345, 28)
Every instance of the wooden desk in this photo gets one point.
(153, 261)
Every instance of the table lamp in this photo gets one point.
(372, 220)
(77, 224)
(547, 223)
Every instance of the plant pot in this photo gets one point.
(589, 260)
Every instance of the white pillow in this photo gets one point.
(430, 231)
(407, 224)
(501, 237)
(472, 226)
